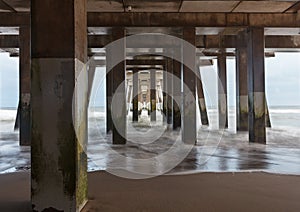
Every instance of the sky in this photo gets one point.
(9, 80)
(282, 80)
(282, 74)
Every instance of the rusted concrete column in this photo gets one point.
(177, 92)
(165, 103)
(189, 133)
(59, 119)
(256, 85)
(119, 96)
(109, 93)
(241, 83)
(153, 94)
(169, 91)
(201, 99)
(135, 99)
(222, 91)
(24, 87)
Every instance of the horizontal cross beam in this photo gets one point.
(202, 41)
(8, 19)
(134, 62)
(147, 63)
(230, 54)
(156, 19)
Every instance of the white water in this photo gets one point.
(233, 153)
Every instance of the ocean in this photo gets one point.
(216, 151)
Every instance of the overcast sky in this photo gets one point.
(282, 81)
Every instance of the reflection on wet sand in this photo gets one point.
(216, 151)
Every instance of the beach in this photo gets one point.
(217, 175)
(196, 192)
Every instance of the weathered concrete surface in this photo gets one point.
(222, 91)
(256, 85)
(201, 99)
(24, 87)
(55, 144)
(189, 88)
(59, 127)
(241, 83)
(153, 95)
(135, 100)
(177, 100)
(119, 96)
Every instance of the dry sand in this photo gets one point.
(196, 192)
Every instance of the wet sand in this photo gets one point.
(196, 192)
(238, 189)
(15, 192)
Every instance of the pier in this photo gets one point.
(152, 53)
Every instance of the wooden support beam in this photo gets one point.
(157, 19)
(213, 54)
(202, 41)
(229, 54)
(282, 41)
(148, 64)
(134, 62)
(192, 19)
